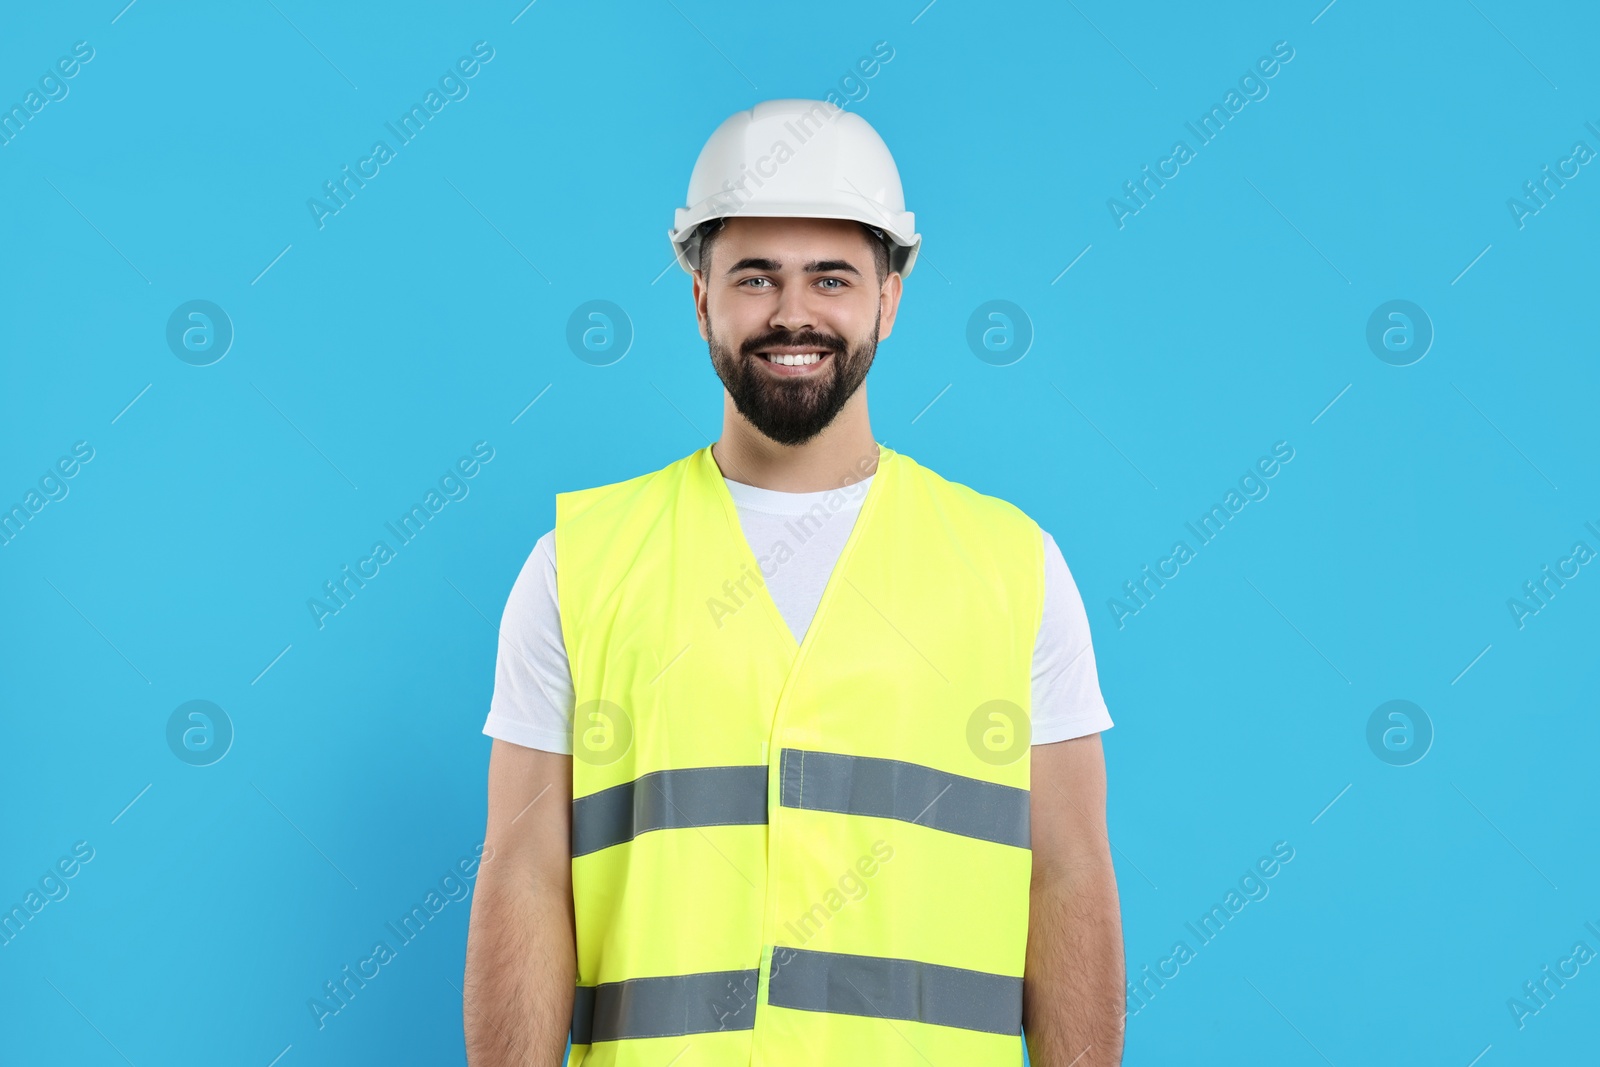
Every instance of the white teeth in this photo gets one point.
(804, 359)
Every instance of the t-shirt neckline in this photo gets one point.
(775, 502)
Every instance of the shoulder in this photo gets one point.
(619, 497)
(983, 506)
(533, 594)
(987, 533)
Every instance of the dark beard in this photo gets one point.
(793, 411)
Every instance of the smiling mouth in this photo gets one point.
(793, 355)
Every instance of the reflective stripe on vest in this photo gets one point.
(833, 982)
(662, 800)
(663, 1007)
(896, 989)
(821, 781)
(895, 789)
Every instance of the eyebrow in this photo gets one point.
(816, 266)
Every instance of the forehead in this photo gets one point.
(787, 240)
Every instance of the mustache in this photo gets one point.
(803, 338)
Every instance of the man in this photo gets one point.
(762, 789)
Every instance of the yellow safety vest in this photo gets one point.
(799, 855)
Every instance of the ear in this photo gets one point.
(700, 310)
(888, 304)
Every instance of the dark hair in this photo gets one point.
(875, 237)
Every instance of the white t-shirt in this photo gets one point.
(533, 697)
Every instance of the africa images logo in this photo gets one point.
(1253, 486)
(453, 485)
(452, 87)
(1253, 86)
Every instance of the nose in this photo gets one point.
(793, 311)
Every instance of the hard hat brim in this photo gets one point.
(903, 239)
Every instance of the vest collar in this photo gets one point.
(707, 479)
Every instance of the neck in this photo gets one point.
(840, 455)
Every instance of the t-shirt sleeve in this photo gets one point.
(1066, 688)
(532, 702)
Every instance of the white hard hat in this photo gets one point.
(797, 159)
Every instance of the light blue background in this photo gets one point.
(432, 310)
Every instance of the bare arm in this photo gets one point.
(521, 963)
(1072, 991)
